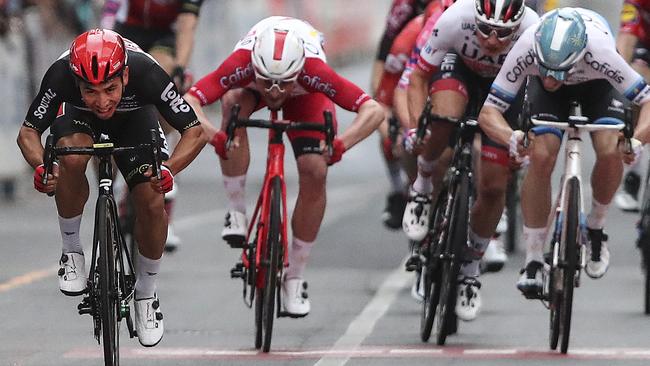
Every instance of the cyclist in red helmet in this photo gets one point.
(106, 86)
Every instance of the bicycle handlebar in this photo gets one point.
(467, 124)
(280, 126)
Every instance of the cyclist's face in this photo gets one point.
(551, 84)
(274, 95)
(103, 99)
(493, 39)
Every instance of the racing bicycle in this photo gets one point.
(264, 253)
(111, 279)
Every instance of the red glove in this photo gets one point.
(39, 173)
(337, 151)
(166, 179)
(219, 143)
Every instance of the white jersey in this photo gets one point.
(313, 39)
(455, 32)
(601, 61)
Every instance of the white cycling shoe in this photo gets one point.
(173, 240)
(468, 303)
(626, 202)
(72, 274)
(495, 256)
(597, 254)
(235, 227)
(295, 301)
(415, 222)
(148, 321)
(502, 226)
(417, 289)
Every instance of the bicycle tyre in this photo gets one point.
(432, 274)
(570, 249)
(109, 306)
(272, 259)
(555, 305)
(643, 241)
(455, 243)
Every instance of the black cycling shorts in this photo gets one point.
(149, 39)
(600, 102)
(123, 129)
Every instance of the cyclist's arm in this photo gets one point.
(191, 143)
(208, 128)
(29, 142)
(185, 28)
(369, 117)
(416, 94)
(625, 43)
(494, 125)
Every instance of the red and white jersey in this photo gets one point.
(316, 77)
(455, 32)
(635, 19)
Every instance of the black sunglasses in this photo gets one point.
(502, 33)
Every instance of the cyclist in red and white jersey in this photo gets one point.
(633, 43)
(569, 55)
(405, 47)
(106, 85)
(463, 54)
(164, 29)
(281, 64)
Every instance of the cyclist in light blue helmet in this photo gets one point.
(560, 42)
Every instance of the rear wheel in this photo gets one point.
(109, 296)
(452, 254)
(570, 249)
(272, 262)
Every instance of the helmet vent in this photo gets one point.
(280, 37)
(94, 67)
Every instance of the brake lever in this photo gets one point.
(48, 160)
(329, 132)
(232, 125)
(423, 121)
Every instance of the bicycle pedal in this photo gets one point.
(413, 263)
(238, 271)
(236, 241)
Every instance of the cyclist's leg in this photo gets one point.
(536, 185)
(71, 195)
(602, 105)
(151, 219)
(234, 169)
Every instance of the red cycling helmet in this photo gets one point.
(97, 55)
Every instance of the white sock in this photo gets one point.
(70, 234)
(298, 257)
(236, 192)
(596, 217)
(479, 245)
(146, 272)
(534, 241)
(395, 176)
(423, 184)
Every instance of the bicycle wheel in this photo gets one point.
(570, 249)
(643, 242)
(431, 271)
(109, 305)
(453, 251)
(272, 262)
(554, 303)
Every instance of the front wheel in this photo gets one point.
(272, 262)
(570, 249)
(109, 296)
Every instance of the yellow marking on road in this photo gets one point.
(27, 278)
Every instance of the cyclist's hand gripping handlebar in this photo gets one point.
(49, 157)
(423, 122)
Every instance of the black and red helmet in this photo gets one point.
(97, 56)
(500, 13)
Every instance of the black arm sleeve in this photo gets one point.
(45, 105)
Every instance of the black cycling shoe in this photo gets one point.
(394, 211)
(530, 282)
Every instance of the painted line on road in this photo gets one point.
(340, 195)
(366, 352)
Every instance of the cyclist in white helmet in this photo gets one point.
(281, 64)
(569, 54)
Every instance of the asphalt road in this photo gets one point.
(362, 313)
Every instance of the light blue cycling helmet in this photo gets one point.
(560, 42)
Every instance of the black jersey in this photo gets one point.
(148, 84)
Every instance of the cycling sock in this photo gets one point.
(423, 184)
(596, 217)
(146, 272)
(397, 180)
(534, 241)
(298, 257)
(70, 234)
(477, 249)
(236, 192)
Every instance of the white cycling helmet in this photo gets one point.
(500, 13)
(278, 54)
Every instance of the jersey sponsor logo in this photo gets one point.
(523, 62)
(604, 68)
(44, 104)
(448, 62)
(176, 102)
(483, 58)
(316, 83)
(238, 75)
(629, 13)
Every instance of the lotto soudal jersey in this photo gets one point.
(600, 61)
(148, 84)
(635, 19)
(159, 14)
(455, 32)
(316, 77)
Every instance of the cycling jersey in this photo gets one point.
(635, 19)
(401, 12)
(316, 77)
(148, 85)
(159, 14)
(601, 61)
(455, 31)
